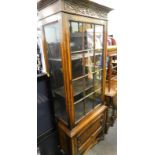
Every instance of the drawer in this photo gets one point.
(94, 126)
(90, 141)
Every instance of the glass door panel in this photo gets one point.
(98, 80)
(98, 37)
(77, 66)
(89, 103)
(86, 58)
(88, 30)
(76, 36)
(78, 89)
(98, 59)
(97, 98)
(89, 62)
(79, 110)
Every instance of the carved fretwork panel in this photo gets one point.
(85, 8)
(44, 3)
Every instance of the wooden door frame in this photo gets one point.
(66, 51)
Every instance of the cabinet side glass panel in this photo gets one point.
(52, 36)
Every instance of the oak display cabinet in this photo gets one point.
(75, 43)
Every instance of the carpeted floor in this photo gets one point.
(109, 145)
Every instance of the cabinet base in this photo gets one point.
(85, 134)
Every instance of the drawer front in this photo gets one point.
(97, 124)
(90, 141)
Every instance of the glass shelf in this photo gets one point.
(77, 87)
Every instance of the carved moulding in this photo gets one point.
(85, 9)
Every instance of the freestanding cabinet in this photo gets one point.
(75, 43)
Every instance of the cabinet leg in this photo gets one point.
(106, 122)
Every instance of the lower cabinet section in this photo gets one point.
(87, 133)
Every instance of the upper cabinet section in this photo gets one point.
(75, 37)
(78, 7)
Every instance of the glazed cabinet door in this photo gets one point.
(87, 66)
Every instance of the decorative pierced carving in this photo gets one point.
(44, 3)
(85, 9)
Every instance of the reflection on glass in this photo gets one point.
(77, 66)
(52, 36)
(81, 87)
(79, 110)
(90, 90)
(89, 62)
(89, 103)
(88, 82)
(56, 74)
(97, 98)
(79, 96)
(97, 80)
(78, 88)
(98, 60)
(83, 64)
(98, 37)
(88, 36)
(76, 36)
